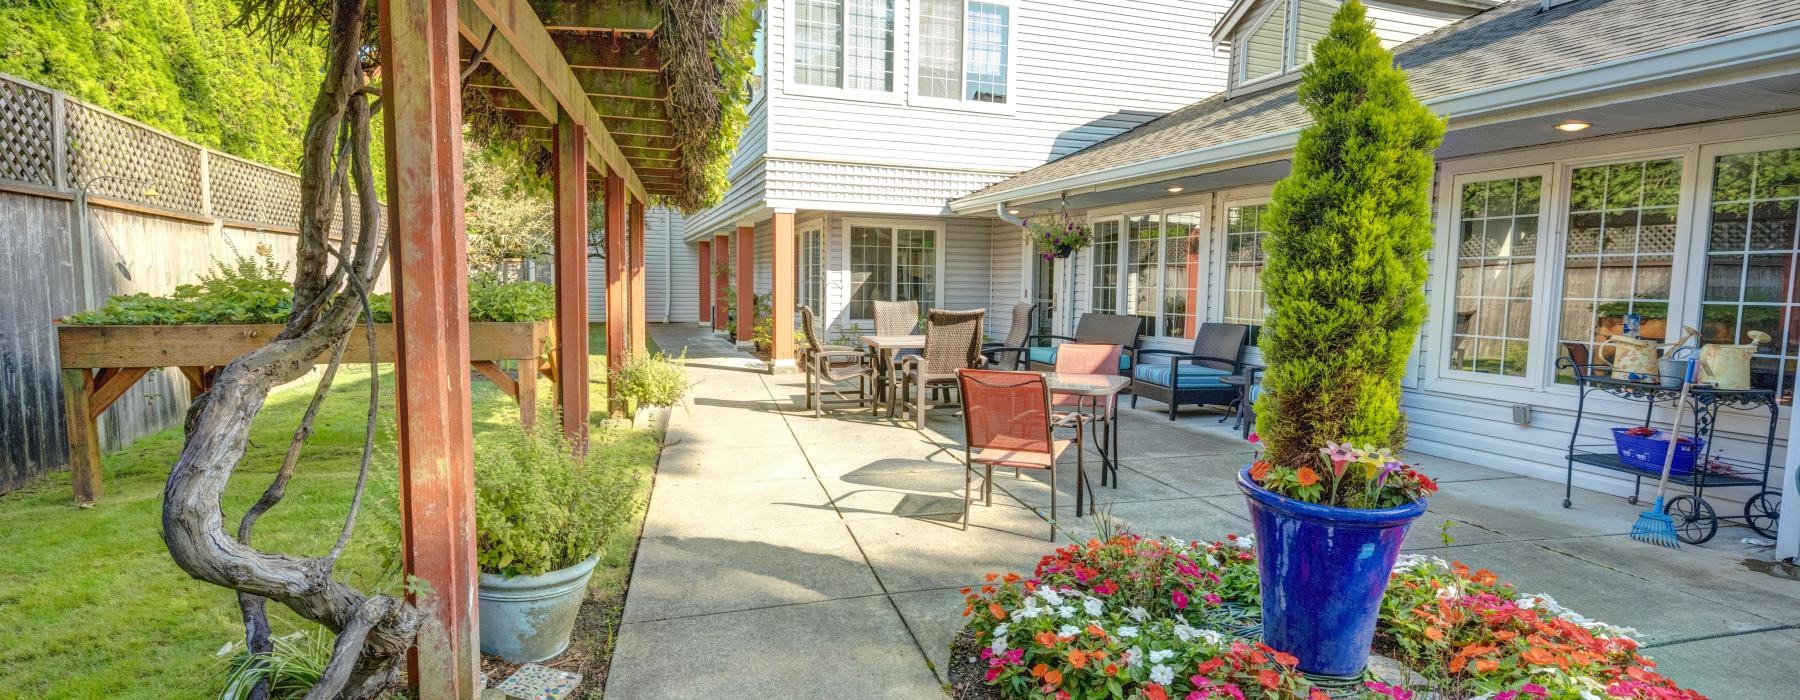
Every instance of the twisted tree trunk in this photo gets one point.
(373, 632)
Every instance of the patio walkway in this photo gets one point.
(792, 557)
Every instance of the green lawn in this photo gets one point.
(92, 606)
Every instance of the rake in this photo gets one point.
(1655, 526)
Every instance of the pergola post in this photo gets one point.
(640, 337)
(569, 171)
(721, 280)
(704, 272)
(617, 296)
(781, 298)
(423, 119)
(746, 285)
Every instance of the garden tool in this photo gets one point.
(1655, 526)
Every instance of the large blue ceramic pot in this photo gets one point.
(1324, 570)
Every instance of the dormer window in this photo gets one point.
(1278, 39)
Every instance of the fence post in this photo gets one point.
(59, 139)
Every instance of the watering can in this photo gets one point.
(1728, 366)
(1673, 368)
(1637, 359)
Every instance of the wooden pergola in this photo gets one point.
(587, 78)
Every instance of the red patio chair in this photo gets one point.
(1006, 418)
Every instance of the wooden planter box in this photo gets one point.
(100, 362)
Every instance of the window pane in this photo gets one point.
(1754, 202)
(1243, 300)
(818, 37)
(1103, 279)
(1625, 211)
(1265, 48)
(987, 53)
(1140, 293)
(915, 266)
(940, 48)
(1495, 265)
(871, 260)
(1181, 274)
(869, 45)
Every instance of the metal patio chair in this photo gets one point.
(833, 364)
(1009, 352)
(1007, 423)
(952, 342)
(1194, 376)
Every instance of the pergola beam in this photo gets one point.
(615, 54)
(531, 61)
(589, 16)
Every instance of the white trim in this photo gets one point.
(791, 84)
(962, 104)
(939, 240)
(1445, 269)
(1240, 198)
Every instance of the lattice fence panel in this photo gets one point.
(120, 159)
(247, 192)
(27, 144)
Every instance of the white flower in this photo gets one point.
(1212, 562)
(1133, 656)
(1093, 606)
(1184, 632)
(1050, 596)
(1213, 638)
(999, 645)
(1137, 613)
(1162, 675)
(1246, 542)
(1158, 656)
(1127, 631)
(1001, 629)
(1066, 611)
(1068, 631)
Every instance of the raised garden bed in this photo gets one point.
(100, 362)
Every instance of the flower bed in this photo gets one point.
(1162, 618)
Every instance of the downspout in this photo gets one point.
(1006, 216)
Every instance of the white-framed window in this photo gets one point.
(963, 50)
(892, 262)
(846, 44)
(1750, 219)
(1281, 40)
(1619, 251)
(1148, 265)
(1497, 229)
(1241, 292)
(810, 272)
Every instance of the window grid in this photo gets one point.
(1181, 274)
(915, 266)
(1496, 262)
(869, 45)
(1619, 256)
(940, 48)
(1104, 280)
(871, 269)
(810, 273)
(987, 59)
(1751, 259)
(1142, 234)
(1243, 298)
(818, 38)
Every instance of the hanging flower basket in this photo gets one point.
(1058, 235)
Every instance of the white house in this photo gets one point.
(1604, 157)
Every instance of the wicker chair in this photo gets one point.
(952, 342)
(1194, 376)
(1007, 421)
(1103, 329)
(896, 317)
(1006, 353)
(833, 364)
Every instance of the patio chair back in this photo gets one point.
(1088, 358)
(952, 341)
(1219, 344)
(896, 317)
(1006, 411)
(807, 332)
(1108, 329)
(1024, 315)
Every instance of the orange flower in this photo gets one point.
(1053, 677)
(1111, 670)
(1259, 469)
(1078, 658)
(1505, 635)
(1285, 659)
(998, 612)
(1153, 691)
(1269, 679)
(1307, 476)
(1097, 654)
(968, 610)
(1458, 662)
(1487, 666)
(1538, 657)
(991, 576)
(1046, 639)
(964, 591)
(987, 589)
(1096, 631)
(1435, 634)
(1012, 577)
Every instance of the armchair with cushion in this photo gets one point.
(1195, 376)
(1099, 329)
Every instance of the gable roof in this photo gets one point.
(1240, 10)
(1510, 43)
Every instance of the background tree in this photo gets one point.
(507, 206)
(1349, 231)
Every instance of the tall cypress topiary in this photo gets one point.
(1351, 226)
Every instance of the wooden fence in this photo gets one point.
(93, 204)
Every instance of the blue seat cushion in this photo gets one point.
(1192, 376)
(1047, 356)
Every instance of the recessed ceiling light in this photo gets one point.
(1572, 126)
(1175, 188)
(1013, 212)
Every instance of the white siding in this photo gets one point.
(670, 291)
(1006, 284)
(1396, 24)
(596, 272)
(966, 250)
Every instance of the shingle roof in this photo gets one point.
(1508, 43)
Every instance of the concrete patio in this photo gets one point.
(793, 557)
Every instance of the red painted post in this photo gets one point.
(569, 167)
(746, 282)
(640, 336)
(704, 271)
(616, 295)
(721, 281)
(422, 113)
(782, 301)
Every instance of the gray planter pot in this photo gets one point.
(529, 618)
(651, 418)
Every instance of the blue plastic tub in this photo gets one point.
(1647, 453)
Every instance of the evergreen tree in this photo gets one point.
(1346, 254)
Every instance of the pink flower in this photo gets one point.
(1213, 599)
(1254, 438)
(1179, 598)
(992, 673)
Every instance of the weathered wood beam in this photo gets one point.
(640, 127)
(611, 53)
(611, 83)
(651, 142)
(651, 155)
(571, 216)
(608, 107)
(616, 322)
(530, 59)
(605, 16)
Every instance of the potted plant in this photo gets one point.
(653, 383)
(1058, 235)
(1344, 281)
(541, 516)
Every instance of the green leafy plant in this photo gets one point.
(291, 669)
(250, 289)
(539, 507)
(1349, 231)
(762, 332)
(655, 379)
(1058, 235)
(489, 300)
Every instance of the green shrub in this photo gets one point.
(762, 330)
(538, 507)
(655, 379)
(252, 289)
(1349, 231)
(291, 669)
(489, 300)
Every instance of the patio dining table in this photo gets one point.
(1100, 394)
(885, 348)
